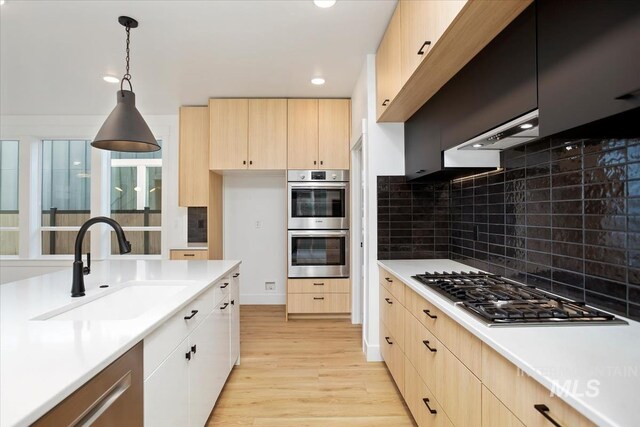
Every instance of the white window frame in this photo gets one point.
(16, 228)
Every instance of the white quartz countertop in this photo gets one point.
(594, 368)
(44, 361)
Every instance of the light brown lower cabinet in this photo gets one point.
(114, 397)
(180, 254)
(524, 396)
(495, 414)
(319, 303)
(320, 297)
(393, 356)
(422, 403)
(466, 382)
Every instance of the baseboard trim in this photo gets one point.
(372, 352)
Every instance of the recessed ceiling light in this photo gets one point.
(526, 126)
(477, 145)
(318, 81)
(111, 79)
(324, 3)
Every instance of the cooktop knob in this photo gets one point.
(334, 176)
(301, 176)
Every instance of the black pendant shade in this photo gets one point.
(125, 129)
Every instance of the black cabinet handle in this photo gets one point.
(188, 254)
(250, 162)
(318, 284)
(428, 313)
(426, 344)
(188, 355)
(425, 44)
(318, 298)
(236, 275)
(384, 104)
(420, 171)
(244, 162)
(224, 306)
(388, 280)
(387, 339)
(426, 402)
(193, 349)
(321, 162)
(233, 302)
(314, 162)
(544, 410)
(388, 301)
(224, 285)
(193, 313)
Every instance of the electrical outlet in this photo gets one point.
(258, 224)
(270, 286)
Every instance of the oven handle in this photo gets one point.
(316, 185)
(340, 233)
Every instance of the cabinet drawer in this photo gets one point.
(393, 284)
(495, 414)
(318, 286)
(178, 254)
(422, 349)
(161, 342)
(520, 393)
(393, 356)
(318, 303)
(458, 391)
(417, 396)
(465, 345)
(392, 315)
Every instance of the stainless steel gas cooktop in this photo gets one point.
(502, 302)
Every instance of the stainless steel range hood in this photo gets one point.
(484, 150)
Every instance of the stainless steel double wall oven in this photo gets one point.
(318, 223)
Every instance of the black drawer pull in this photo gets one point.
(318, 298)
(224, 285)
(544, 410)
(236, 275)
(387, 339)
(224, 306)
(193, 349)
(388, 301)
(384, 104)
(428, 313)
(233, 302)
(318, 284)
(425, 44)
(188, 254)
(193, 313)
(426, 402)
(388, 280)
(188, 355)
(426, 344)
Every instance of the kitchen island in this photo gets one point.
(50, 345)
(585, 366)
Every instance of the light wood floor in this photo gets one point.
(306, 373)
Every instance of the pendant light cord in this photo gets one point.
(127, 76)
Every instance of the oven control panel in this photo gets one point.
(318, 175)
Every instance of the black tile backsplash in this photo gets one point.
(563, 214)
(197, 225)
(413, 219)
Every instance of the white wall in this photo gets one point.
(31, 129)
(383, 155)
(250, 198)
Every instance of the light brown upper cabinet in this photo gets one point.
(334, 122)
(388, 63)
(248, 134)
(318, 133)
(267, 134)
(302, 131)
(193, 163)
(229, 123)
(422, 24)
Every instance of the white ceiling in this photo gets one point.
(53, 54)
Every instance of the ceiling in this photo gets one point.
(53, 54)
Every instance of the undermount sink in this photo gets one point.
(127, 301)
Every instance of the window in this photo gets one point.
(66, 194)
(136, 199)
(9, 235)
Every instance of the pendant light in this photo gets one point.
(125, 129)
